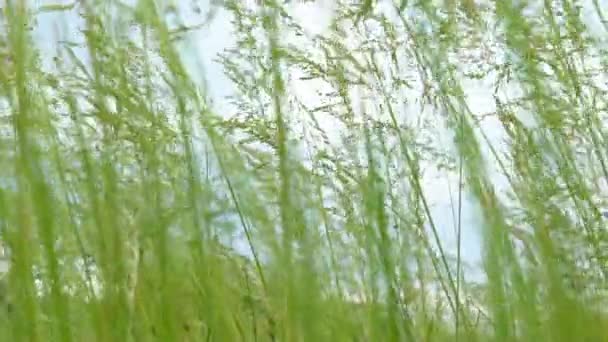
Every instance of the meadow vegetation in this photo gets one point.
(125, 187)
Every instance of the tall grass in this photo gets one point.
(124, 191)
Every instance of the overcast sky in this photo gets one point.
(315, 17)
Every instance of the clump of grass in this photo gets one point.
(123, 190)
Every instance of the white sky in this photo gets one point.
(315, 17)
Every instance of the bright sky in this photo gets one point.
(314, 17)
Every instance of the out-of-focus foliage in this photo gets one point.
(134, 210)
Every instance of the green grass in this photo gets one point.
(123, 189)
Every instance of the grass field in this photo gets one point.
(137, 207)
